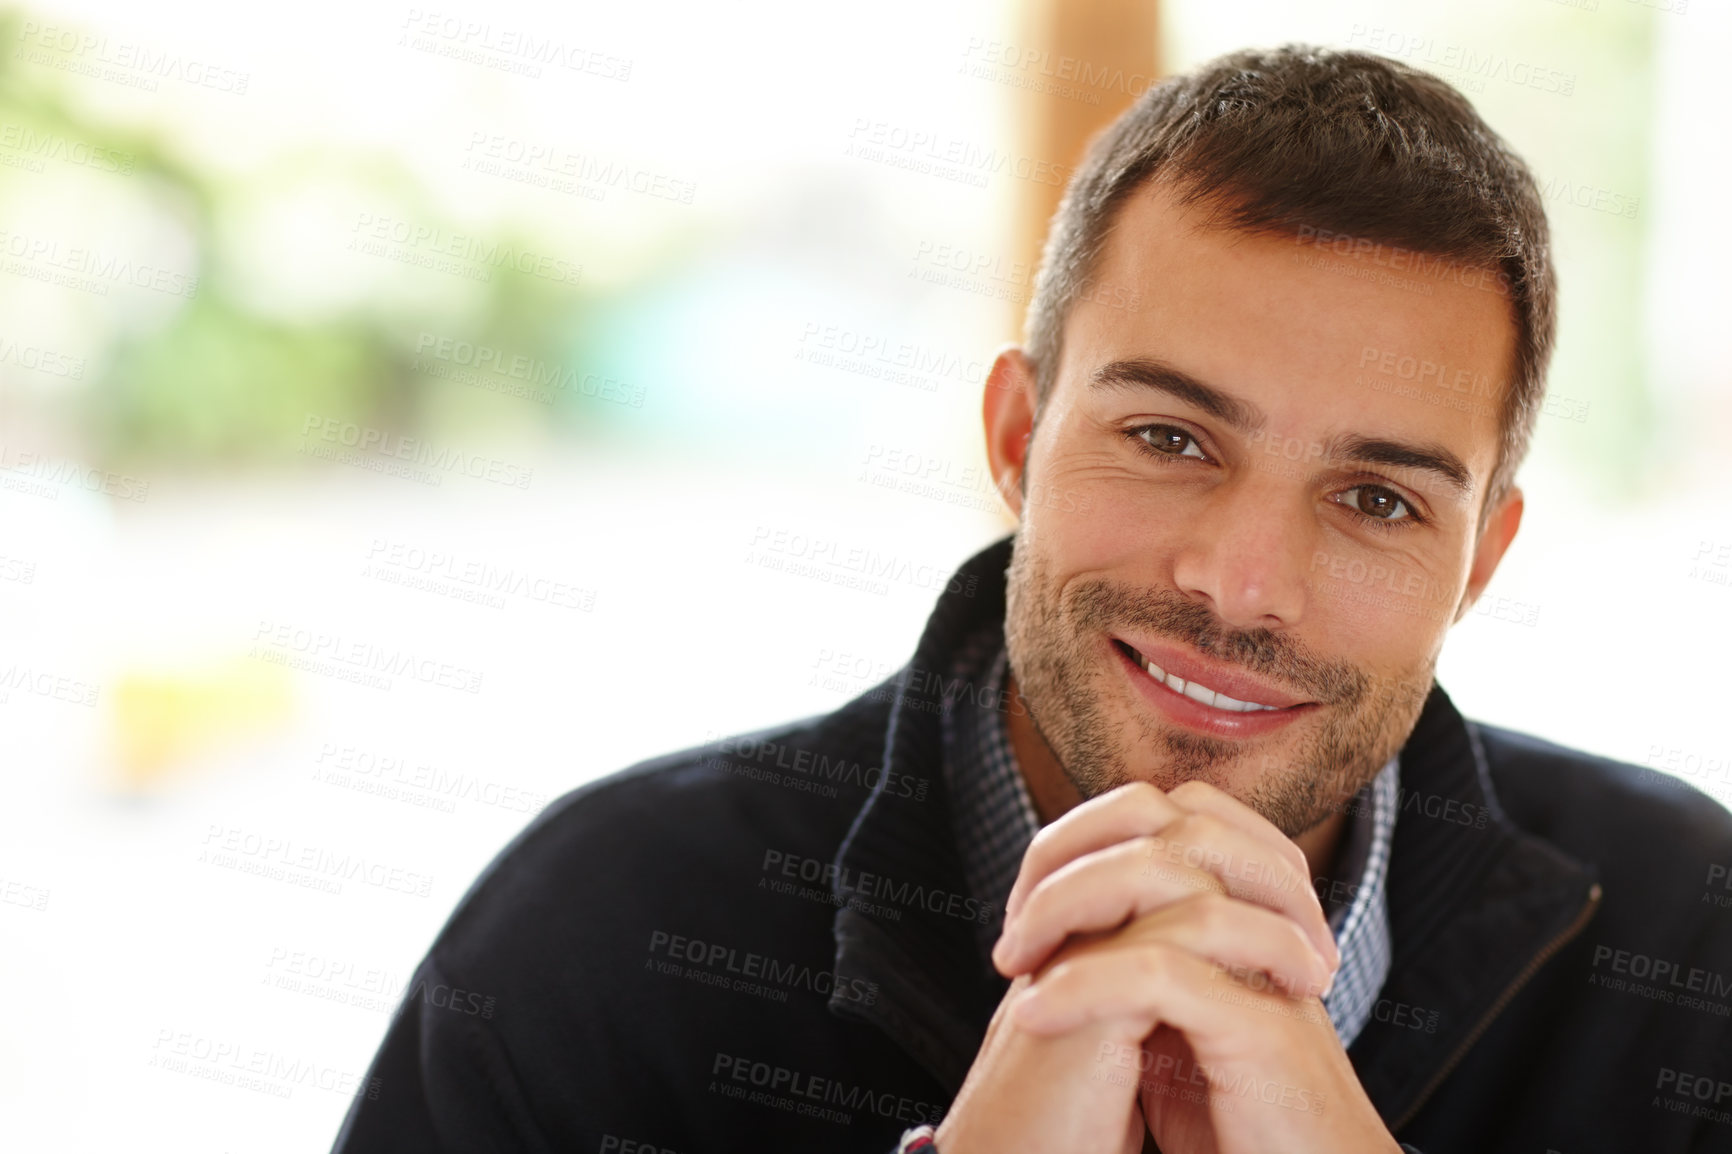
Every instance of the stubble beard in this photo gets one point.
(1363, 720)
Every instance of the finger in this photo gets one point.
(1153, 982)
(1201, 797)
(1098, 891)
(1250, 941)
(1132, 810)
(1142, 809)
(1194, 853)
(1252, 868)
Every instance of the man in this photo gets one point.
(1283, 897)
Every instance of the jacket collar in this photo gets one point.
(936, 993)
(1475, 904)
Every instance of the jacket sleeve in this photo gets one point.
(441, 1083)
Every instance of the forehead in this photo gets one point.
(1319, 334)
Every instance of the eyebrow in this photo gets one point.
(1430, 458)
(1144, 373)
(1147, 373)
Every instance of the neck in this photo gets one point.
(1054, 794)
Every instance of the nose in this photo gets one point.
(1244, 554)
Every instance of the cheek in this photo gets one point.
(1382, 616)
(1093, 514)
(1114, 537)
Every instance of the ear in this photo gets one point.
(1008, 412)
(1500, 529)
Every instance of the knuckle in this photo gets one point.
(1016, 999)
(1198, 827)
(1144, 848)
(1040, 843)
(1286, 884)
(1034, 905)
(1017, 996)
(1212, 912)
(1058, 977)
(1150, 794)
(1143, 801)
(1034, 860)
(1132, 792)
(1155, 961)
(1293, 938)
(1194, 788)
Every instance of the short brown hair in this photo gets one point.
(1316, 142)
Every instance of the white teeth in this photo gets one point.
(1199, 693)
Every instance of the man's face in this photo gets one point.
(1264, 483)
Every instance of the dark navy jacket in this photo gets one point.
(767, 944)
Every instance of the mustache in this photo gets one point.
(1102, 605)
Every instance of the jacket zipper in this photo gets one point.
(1521, 979)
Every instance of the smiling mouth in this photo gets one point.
(1195, 690)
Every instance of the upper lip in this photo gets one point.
(1214, 673)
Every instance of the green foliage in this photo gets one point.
(220, 383)
(230, 374)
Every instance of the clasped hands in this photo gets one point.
(1168, 957)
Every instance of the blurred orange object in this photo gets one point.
(165, 721)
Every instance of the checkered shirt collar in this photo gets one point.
(994, 820)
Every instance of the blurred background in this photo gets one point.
(409, 414)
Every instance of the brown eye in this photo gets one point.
(1378, 503)
(1170, 441)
